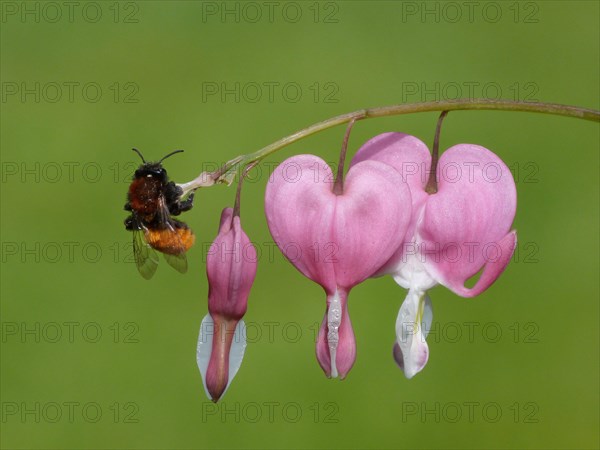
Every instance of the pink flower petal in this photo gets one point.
(465, 222)
(371, 220)
(491, 271)
(410, 157)
(299, 206)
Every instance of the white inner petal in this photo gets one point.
(334, 320)
(412, 327)
(411, 272)
(204, 350)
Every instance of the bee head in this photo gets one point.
(153, 169)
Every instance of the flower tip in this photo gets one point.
(216, 387)
(415, 366)
(398, 357)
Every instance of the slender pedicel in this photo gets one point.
(431, 187)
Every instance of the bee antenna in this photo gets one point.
(170, 154)
(139, 153)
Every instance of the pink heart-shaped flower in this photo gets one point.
(454, 233)
(337, 241)
(465, 225)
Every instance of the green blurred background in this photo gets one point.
(66, 164)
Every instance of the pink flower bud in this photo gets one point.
(231, 268)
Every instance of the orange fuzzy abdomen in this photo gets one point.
(169, 241)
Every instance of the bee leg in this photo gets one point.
(178, 207)
(127, 207)
(187, 204)
(129, 224)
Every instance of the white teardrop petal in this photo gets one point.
(412, 326)
(427, 317)
(236, 354)
(204, 350)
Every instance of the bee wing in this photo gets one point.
(178, 262)
(164, 216)
(146, 258)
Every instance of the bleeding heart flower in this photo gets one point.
(337, 239)
(454, 232)
(231, 267)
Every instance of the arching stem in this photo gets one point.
(206, 179)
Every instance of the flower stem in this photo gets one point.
(238, 195)
(395, 110)
(431, 187)
(338, 186)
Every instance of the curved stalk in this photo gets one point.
(224, 174)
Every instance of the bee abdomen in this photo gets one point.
(171, 242)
